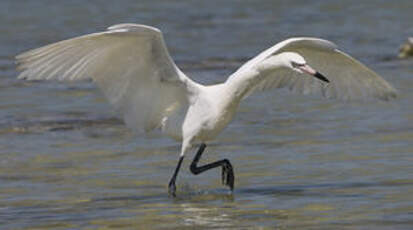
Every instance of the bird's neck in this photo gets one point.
(240, 83)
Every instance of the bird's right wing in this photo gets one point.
(130, 63)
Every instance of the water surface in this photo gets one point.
(68, 162)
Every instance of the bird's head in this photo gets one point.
(298, 64)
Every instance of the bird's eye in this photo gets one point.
(296, 65)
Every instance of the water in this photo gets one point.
(67, 161)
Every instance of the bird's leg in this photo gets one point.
(227, 170)
(171, 185)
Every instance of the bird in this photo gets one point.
(406, 50)
(131, 65)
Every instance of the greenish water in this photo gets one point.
(300, 162)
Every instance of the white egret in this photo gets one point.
(131, 65)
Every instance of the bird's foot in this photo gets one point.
(228, 175)
(172, 188)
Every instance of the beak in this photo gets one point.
(308, 70)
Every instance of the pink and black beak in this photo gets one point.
(308, 70)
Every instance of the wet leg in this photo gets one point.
(227, 170)
(171, 185)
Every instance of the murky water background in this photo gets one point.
(301, 162)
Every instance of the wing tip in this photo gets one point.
(390, 95)
(24, 54)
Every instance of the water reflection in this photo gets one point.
(201, 216)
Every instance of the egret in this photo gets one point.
(130, 63)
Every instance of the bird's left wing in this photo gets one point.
(349, 79)
(130, 63)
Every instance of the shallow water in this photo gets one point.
(67, 161)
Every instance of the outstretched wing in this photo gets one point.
(130, 63)
(349, 79)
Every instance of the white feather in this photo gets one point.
(129, 63)
(349, 79)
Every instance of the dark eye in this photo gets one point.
(296, 65)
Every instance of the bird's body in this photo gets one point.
(131, 65)
(213, 108)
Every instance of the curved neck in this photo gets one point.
(249, 75)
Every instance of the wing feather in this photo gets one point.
(349, 79)
(130, 63)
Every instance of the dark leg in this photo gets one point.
(227, 171)
(172, 186)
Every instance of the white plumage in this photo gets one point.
(131, 65)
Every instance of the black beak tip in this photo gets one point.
(321, 77)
